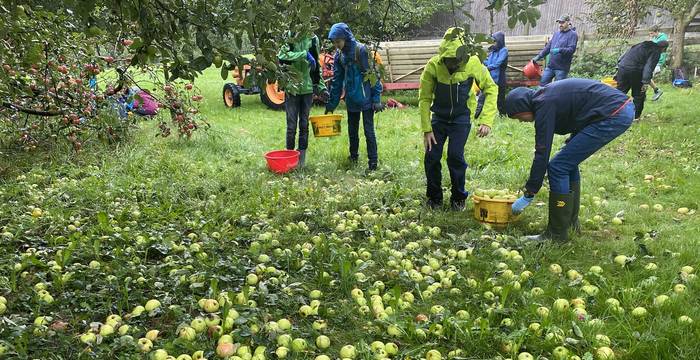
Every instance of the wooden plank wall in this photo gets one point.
(404, 60)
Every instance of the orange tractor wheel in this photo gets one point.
(272, 96)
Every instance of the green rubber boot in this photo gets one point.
(560, 208)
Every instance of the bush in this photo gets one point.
(596, 65)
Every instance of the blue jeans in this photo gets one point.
(297, 108)
(548, 75)
(563, 168)
(457, 134)
(370, 137)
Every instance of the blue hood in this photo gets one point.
(500, 39)
(342, 31)
(519, 100)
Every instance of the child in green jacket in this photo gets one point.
(446, 92)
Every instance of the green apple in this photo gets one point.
(284, 324)
(525, 356)
(124, 329)
(684, 319)
(595, 269)
(198, 355)
(651, 266)
(88, 338)
(560, 353)
(323, 342)
(602, 340)
(543, 312)
(282, 352)
(210, 305)
(284, 340)
(106, 330)
(560, 305)
(315, 294)
(159, 354)
(391, 348)
(225, 350)
(639, 312)
(620, 260)
(555, 269)
(433, 355)
(144, 345)
(184, 357)
(348, 352)
(151, 305)
(152, 335)
(679, 288)
(198, 324)
(322, 357)
(298, 345)
(251, 279)
(604, 353)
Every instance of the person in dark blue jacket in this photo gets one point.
(362, 96)
(594, 114)
(497, 63)
(561, 49)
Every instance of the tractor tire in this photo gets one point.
(232, 96)
(272, 97)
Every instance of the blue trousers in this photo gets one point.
(548, 75)
(298, 108)
(457, 135)
(563, 168)
(370, 136)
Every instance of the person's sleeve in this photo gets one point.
(336, 83)
(285, 54)
(489, 89)
(571, 44)
(545, 119)
(426, 92)
(648, 71)
(546, 49)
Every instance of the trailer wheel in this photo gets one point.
(272, 96)
(232, 96)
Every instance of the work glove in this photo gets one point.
(555, 51)
(322, 95)
(311, 60)
(535, 59)
(378, 107)
(520, 204)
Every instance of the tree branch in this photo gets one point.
(32, 111)
(692, 13)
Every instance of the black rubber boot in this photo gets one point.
(560, 207)
(575, 188)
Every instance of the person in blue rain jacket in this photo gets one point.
(497, 63)
(351, 72)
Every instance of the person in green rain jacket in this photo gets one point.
(301, 55)
(657, 36)
(445, 103)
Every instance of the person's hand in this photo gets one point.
(555, 51)
(429, 140)
(378, 107)
(483, 131)
(535, 59)
(310, 59)
(520, 204)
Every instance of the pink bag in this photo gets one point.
(145, 104)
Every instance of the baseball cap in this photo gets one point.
(564, 18)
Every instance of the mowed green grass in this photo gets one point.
(165, 189)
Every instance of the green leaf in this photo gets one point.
(200, 63)
(224, 72)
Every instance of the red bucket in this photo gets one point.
(282, 161)
(532, 70)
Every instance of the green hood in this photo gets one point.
(294, 53)
(451, 41)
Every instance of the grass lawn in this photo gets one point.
(179, 221)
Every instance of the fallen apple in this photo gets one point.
(348, 352)
(604, 353)
(323, 342)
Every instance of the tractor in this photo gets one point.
(271, 95)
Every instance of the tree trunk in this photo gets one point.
(681, 22)
(678, 43)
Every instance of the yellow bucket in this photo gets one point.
(610, 81)
(326, 125)
(496, 212)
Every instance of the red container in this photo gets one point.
(532, 70)
(282, 161)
